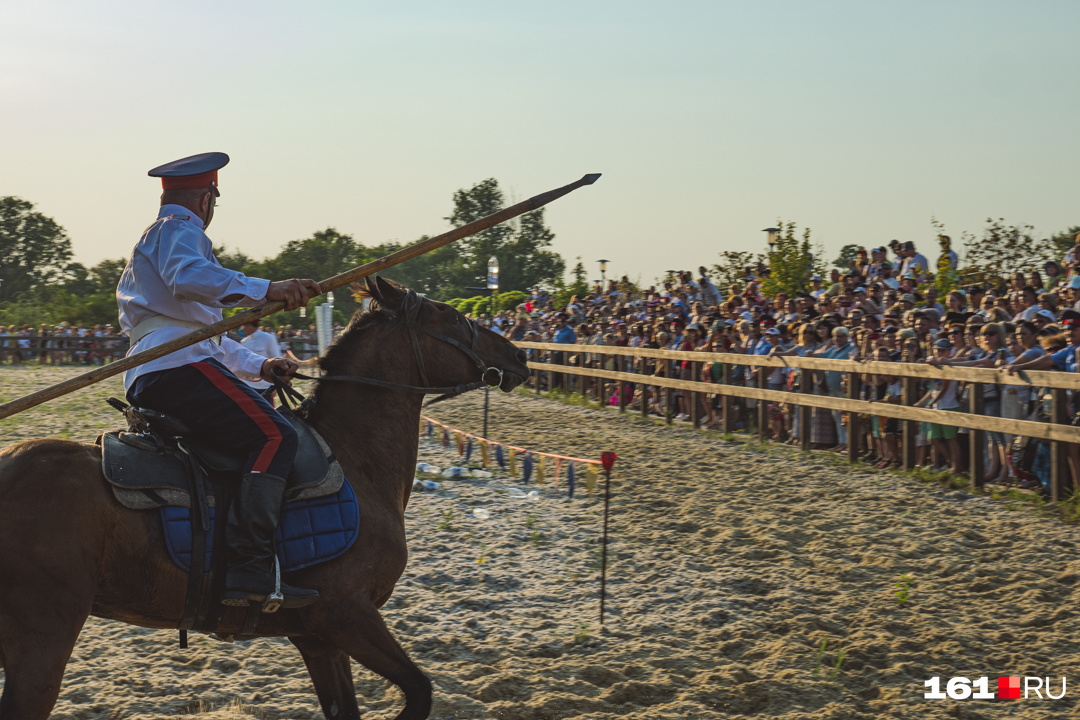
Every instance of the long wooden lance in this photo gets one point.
(406, 253)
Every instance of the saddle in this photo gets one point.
(160, 463)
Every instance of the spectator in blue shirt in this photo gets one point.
(563, 332)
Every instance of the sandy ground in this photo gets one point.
(729, 566)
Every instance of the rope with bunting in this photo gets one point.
(533, 464)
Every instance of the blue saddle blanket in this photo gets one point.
(309, 531)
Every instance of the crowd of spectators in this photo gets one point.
(883, 307)
(79, 344)
(63, 344)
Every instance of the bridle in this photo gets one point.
(410, 311)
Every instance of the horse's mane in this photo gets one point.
(344, 346)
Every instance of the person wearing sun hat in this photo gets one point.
(172, 284)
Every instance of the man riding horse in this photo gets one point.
(172, 284)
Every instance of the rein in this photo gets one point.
(410, 308)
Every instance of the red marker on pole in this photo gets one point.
(607, 461)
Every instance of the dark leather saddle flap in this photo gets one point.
(144, 462)
(140, 468)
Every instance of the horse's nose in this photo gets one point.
(523, 357)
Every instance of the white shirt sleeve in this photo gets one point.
(244, 363)
(187, 265)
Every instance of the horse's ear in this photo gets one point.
(389, 294)
(370, 288)
(361, 290)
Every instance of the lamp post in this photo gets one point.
(493, 273)
(603, 271)
(771, 236)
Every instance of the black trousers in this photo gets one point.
(223, 409)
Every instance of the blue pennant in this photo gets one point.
(430, 428)
(445, 438)
(499, 456)
(570, 479)
(468, 449)
(526, 470)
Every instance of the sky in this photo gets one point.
(709, 120)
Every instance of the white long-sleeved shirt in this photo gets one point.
(173, 272)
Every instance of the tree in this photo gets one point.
(579, 286)
(790, 262)
(1005, 249)
(324, 254)
(529, 263)
(34, 249)
(848, 255)
(235, 260)
(524, 261)
(731, 270)
(1065, 240)
(440, 273)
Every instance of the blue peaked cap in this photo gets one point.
(191, 169)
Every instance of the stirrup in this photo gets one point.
(268, 603)
(273, 602)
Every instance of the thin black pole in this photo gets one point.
(603, 560)
(487, 390)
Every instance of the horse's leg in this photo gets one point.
(359, 630)
(331, 674)
(37, 637)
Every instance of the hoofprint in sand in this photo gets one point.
(730, 565)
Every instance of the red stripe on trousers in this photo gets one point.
(268, 426)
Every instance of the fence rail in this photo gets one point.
(573, 360)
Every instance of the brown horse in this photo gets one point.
(69, 550)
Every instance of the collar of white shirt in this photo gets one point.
(180, 211)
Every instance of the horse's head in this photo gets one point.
(424, 343)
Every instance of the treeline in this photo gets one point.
(40, 283)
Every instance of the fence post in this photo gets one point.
(643, 368)
(563, 360)
(553, 376)
(577, 383)
(696, 398)
(854, 420)
(727, 402)
(761, 371)
(620, 387)
(806, 387)
(539, 356)
(1059, 464)
(669, 393)
(976, 438)
(911, 427)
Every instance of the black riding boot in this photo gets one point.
(249, 535)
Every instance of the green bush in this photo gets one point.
(510, 300)
(474, 306)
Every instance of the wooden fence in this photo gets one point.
(57, 349)
(573, 360)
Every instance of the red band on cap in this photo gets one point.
(191, 182)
